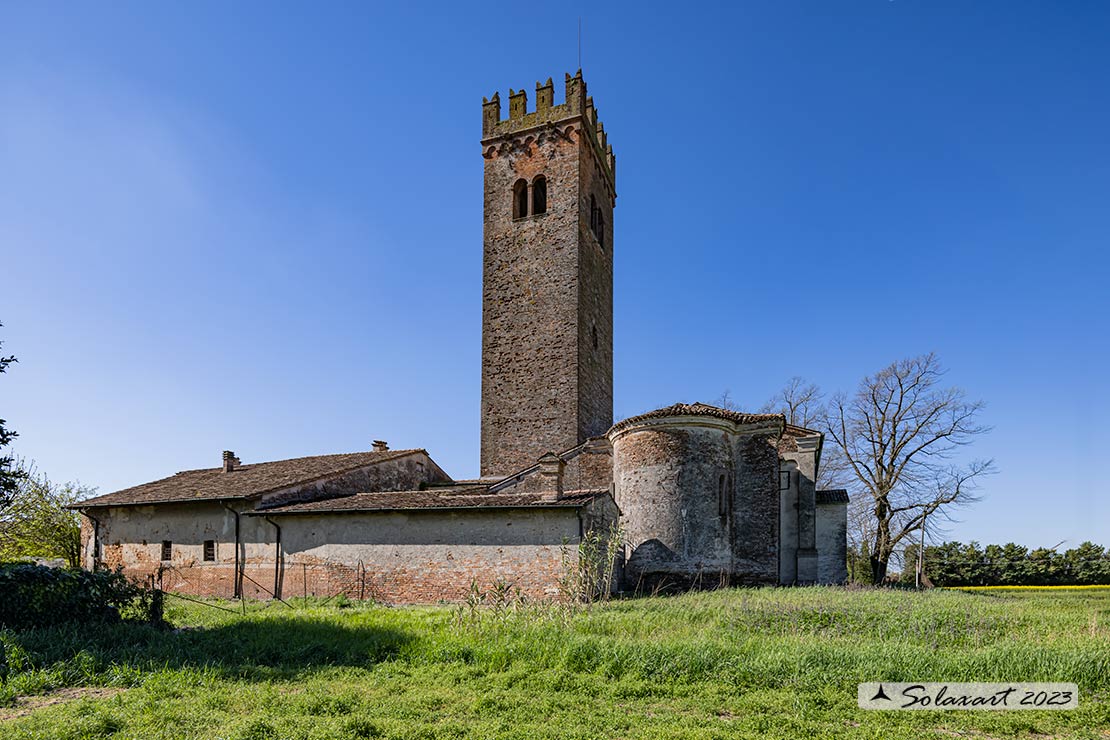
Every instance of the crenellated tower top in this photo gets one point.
(578, 105)
(547, 277)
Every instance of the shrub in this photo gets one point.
(36, 596)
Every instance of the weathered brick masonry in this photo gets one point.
(547, 301)
(706, 496)
(697, 490)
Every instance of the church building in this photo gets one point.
(701, 496)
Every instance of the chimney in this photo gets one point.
(379, 446)
(551, 477)
(229, 461)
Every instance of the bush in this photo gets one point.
(36, 596)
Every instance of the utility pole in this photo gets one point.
(921, 555)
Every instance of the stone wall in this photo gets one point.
(423, 557)
(589, 466)
(595, 299)
(546, 286)
(756, 511)
(788, 525)
(406, 473)
(131, 538)
(802, 450)
(699, 502)
(394, 557)
(832, 543)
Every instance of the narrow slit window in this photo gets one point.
(539, 195)
(722, 498)
(520, 199)
(209, 551)
(167, 550)
(594, 332)
(601, 231)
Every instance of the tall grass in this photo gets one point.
(735, 643)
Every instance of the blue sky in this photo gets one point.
(258, 227)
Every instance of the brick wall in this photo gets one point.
(699, 502)
(394, 557)
(756, 510)
(547, 288)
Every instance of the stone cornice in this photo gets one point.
(513, 139)
(770, 427)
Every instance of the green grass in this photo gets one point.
(762, 663)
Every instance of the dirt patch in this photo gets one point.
(24, 705)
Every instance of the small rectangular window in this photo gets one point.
(784, 480)
(209, 550)
(167, 550)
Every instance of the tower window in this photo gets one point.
(520, 199)
(167, 550)
(209, 550)
(597, 222)
(539, 195)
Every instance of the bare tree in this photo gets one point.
(898, 434)
(802, 403)
(725, 401)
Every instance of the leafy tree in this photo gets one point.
(1014, 567)
(1046, 567)
(897, 434)
(955, 564)
(37, 522)
(1088, 564)
(9, 476)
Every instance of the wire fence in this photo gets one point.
(281, 583)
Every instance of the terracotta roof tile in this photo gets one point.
(832, 496)
(790, 434)
(245, 481)
(697, 409)
(463, 497)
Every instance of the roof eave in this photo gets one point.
(541, 505)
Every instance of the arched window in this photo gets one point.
(593, 214)
(520, 199)
(539, 195)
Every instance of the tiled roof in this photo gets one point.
(245, 481)
(697, 409)
(832, 496)
(463, 497)
(790, 434)
(796, 431)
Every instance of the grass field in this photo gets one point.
(766, 663)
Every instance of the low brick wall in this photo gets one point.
(392, 557)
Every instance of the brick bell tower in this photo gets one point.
(547, 277)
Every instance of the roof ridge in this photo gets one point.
(244, 466)
(245, 482)
(697, 408)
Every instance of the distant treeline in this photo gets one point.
(957, 564)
